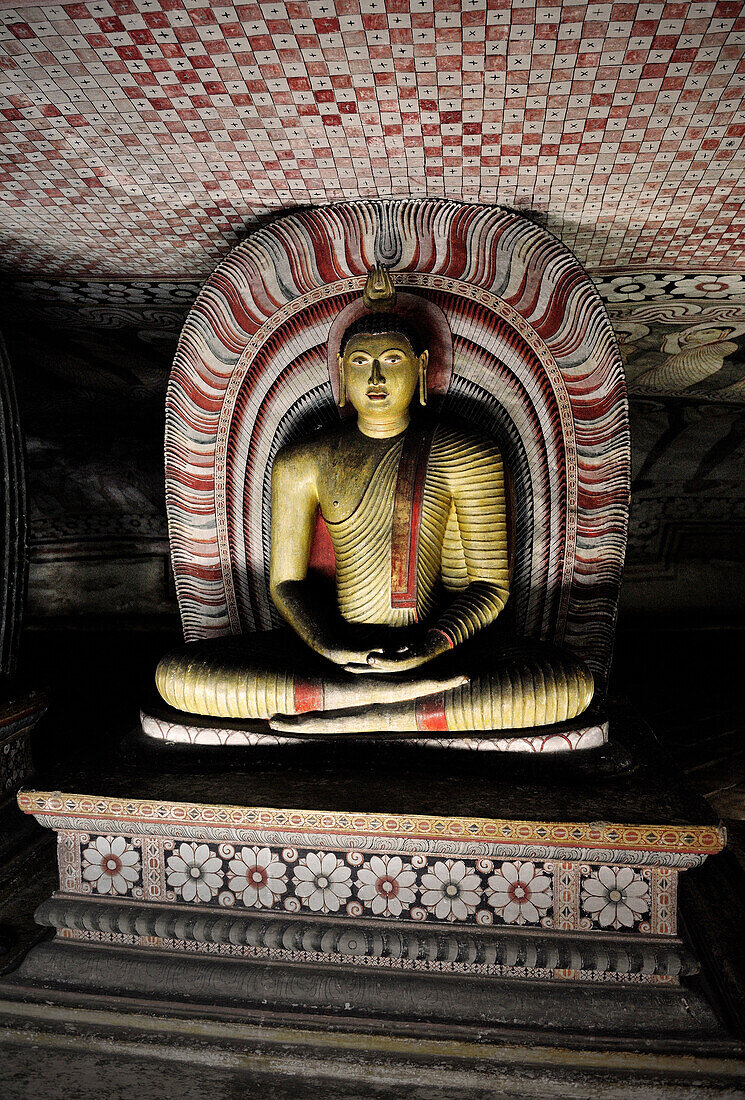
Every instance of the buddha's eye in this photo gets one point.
(360, 360)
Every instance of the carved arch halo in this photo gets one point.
(534, 363)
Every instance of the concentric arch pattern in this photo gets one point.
(535, 365)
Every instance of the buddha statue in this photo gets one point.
(416, 512)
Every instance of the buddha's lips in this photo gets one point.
(376, 395)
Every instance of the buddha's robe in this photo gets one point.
(425, 548)
(433, 517)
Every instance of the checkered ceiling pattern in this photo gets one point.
(143, 137)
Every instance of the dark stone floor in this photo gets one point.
(86, 1061)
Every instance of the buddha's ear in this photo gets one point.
(342, 384)
(423, 361)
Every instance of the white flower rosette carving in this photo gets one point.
(257, 877)
(520, 893)
(450, 891)
(110, 864)
(194, 872)
(322, 882)
(710, 285)
(615, 897)
(634, 287)
(385, 886)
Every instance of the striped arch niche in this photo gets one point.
(535, 365)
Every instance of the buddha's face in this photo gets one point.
(699, 338)
(381, 373)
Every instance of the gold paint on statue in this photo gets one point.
(417, 519)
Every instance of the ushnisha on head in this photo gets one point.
(381, 362)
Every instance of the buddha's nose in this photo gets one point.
(376, 374)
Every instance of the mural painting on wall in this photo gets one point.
(695, 360)
(682, 335)
(682, 339)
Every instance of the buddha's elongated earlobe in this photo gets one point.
(342, 384)
(423, 360)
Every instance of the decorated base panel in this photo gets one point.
(284, 938)
(564, 737)
(480, 897)
(17, 718)
(15, 757)
(18, 835)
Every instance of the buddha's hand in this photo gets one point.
(406, 657)
(355, 648)
(350, 658)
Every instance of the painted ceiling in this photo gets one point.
(144, 137)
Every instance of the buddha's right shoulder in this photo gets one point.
(310, 452)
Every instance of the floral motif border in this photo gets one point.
(59, 810)
(548, 894)
(583, 737)
(642, 284)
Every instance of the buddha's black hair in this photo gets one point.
(375, 324)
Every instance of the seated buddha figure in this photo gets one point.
(416, 514)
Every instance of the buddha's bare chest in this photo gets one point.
(346, 473)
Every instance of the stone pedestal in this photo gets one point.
(544, 897)
(478, 897)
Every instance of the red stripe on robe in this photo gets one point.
(322, 556)
(308, 695)
(407, 515)
(430, 713)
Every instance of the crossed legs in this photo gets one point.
(259, 677)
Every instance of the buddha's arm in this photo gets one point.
(294, 504)
(294, 508)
